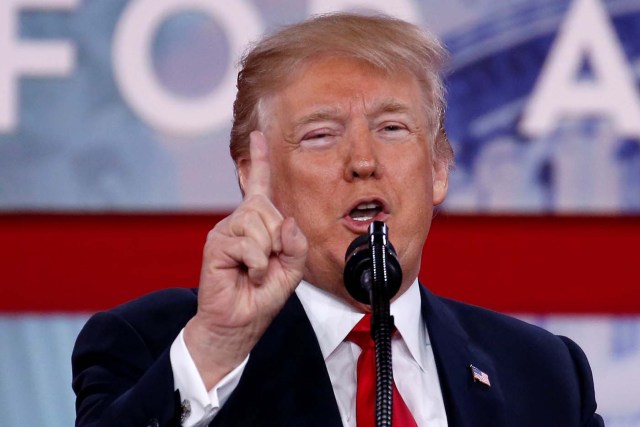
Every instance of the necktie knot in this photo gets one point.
(361, 333)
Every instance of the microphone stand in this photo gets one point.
(381, 322)
(372, 275)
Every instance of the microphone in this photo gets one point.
(363, 255)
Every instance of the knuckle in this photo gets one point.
(219, 228)
(262, 263)
(253, 199)
(261, 202)
(211, 235)
(245, 247)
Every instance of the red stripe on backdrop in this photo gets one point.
(516, 264)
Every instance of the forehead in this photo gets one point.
(335, 83)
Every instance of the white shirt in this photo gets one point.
(414, 367)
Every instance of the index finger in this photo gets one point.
(259, 182)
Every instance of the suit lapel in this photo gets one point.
(285, 380)
(468, 403)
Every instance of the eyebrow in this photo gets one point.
(332, 113)
(387, 106)
(324, 113)
(329, 113)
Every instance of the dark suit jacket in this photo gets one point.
(122, 373)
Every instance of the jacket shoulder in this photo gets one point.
(156, 304)
(122, 373)
(479, 322)
(520, 350)
(155, 318)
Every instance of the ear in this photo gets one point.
(243, 169)
(440, 178)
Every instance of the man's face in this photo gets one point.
(348, 145)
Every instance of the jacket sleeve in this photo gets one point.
(588, 417)
(118, 380)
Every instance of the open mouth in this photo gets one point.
(365, 211)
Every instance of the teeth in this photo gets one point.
(365, 211)
(364, 206)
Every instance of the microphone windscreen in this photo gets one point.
(358, 274)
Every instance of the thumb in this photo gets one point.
(294, 248)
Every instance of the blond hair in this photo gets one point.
(386, 43)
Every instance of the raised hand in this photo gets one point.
(252, 262)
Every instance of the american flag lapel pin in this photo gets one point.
(479, 376)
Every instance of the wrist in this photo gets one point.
(215, 351)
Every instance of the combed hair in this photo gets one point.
(386, 43)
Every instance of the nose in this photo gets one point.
(362, 160)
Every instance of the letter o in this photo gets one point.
(138, 83)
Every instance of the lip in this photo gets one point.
(361, 227)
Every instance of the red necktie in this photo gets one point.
(366, 392)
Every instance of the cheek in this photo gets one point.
(300, 192)
(282, 193)
(411, 169)
(413, 182)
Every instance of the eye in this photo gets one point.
(393, 131)
(315, 135)
(318, 138)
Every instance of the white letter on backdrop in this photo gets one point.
(27, 58)
(586, 34)
(138, 83)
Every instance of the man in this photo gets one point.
(337, 123)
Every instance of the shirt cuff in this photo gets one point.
(199, 406)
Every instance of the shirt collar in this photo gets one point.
(332, 319)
